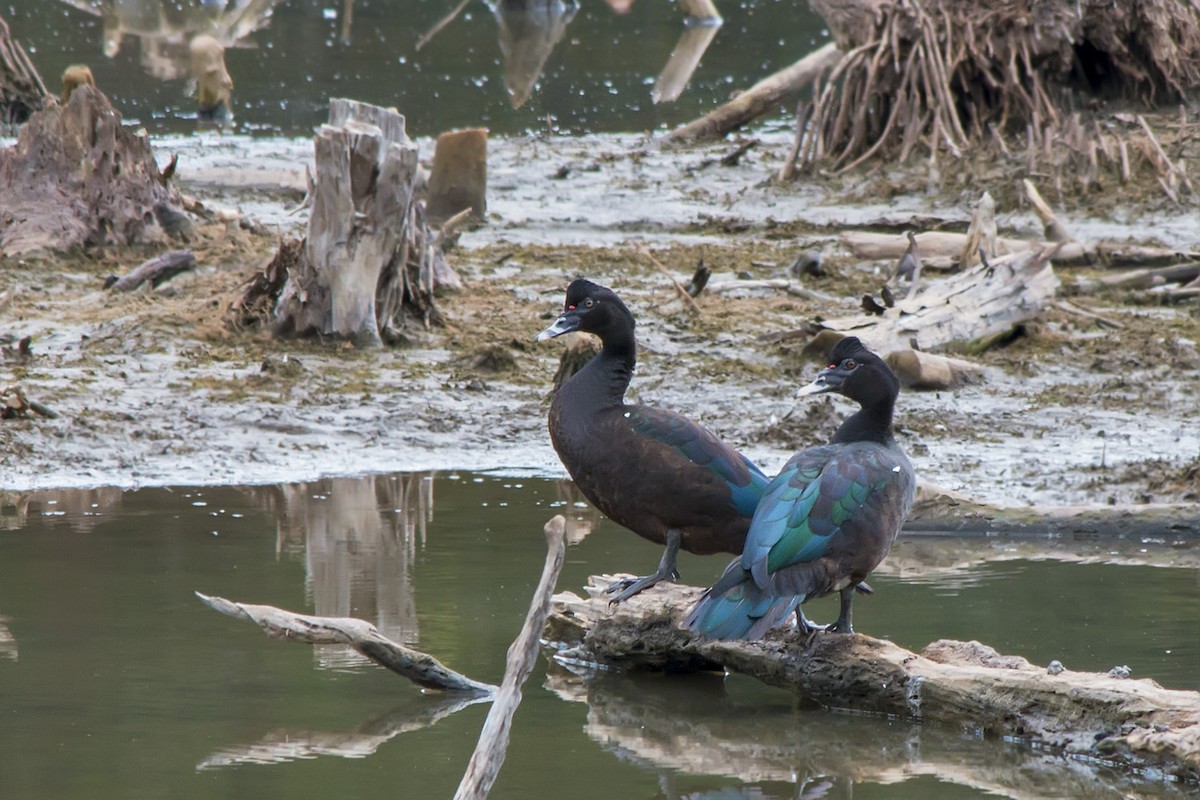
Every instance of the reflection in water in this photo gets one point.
(82, 508)
(163, 28)
(684, 59)
(529, 30)
(283, 745)
(8, 645)
(692, 726)
(359, 538)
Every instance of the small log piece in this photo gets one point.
(919, 370)
(458, 179)
(157, 270)
(1136, 723)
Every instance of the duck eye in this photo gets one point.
(849, 363)
(589, 302)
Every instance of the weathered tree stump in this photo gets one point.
(1131, 722)
(76, 178)
(458, 180)
(369, 260)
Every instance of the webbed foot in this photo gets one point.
(628, 587)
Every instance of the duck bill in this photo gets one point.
(564, 324)
(824, 382)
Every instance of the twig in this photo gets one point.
(1105, 322)
(1167, 165)
(443, 22)
(522, 654)
(678, 286)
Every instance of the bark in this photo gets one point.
(77, 178)
(758, 99)
(1135, 723)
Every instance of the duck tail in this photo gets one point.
(737, 608)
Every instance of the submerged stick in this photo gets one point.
(420, 668)
(441, 23)
(493, 739)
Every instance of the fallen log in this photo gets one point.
(941, 250)
(758, 99)
(1134, 723)
(1141, 279)
(972, 309)
(157, 270)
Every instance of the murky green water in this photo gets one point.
(116, 682)
(598, 69)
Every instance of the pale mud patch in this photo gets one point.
(152, 389)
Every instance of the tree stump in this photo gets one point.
(369, 260)
(76, 178)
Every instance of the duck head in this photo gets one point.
(591, 308)
(856, 372)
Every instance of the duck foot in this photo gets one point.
(628, 587)
(667, 571)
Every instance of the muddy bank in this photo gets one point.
(151, 389)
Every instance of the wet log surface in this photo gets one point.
(157, 270)
(1133, 723)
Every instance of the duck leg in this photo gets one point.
(667, 571)
(843, 624)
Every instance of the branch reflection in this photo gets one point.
(529, 32)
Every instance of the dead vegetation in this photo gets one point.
(1021, 82)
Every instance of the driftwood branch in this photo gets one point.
(420, 668)
(758, 99)
(679, 290)
(493, 739)
(1131, 722)
(973, 307)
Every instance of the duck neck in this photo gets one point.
(872, 423)
(606, 377)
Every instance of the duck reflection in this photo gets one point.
(163, 29)
(689, 727)
(529, 32)
(358, 538)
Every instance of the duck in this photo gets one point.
(826, 520)
(650, 470)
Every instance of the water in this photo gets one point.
(287, 57)
(116, 682)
